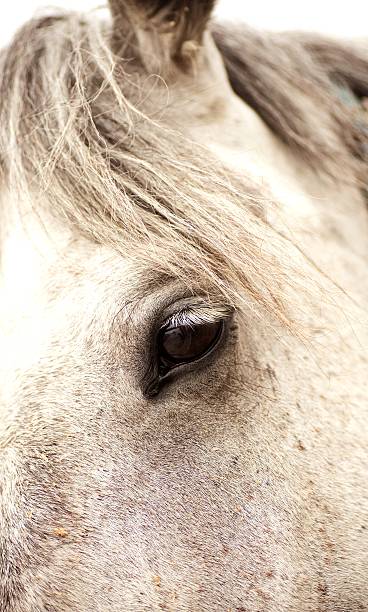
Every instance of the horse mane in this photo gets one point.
(77, 139)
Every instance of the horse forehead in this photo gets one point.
(214, 116)
(207, 109)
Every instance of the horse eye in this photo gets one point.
(183, 343)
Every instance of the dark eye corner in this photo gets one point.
(188, 336)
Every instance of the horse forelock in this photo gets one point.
(76, 134)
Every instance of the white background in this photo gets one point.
(339, 17)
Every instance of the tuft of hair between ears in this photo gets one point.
(75, 141)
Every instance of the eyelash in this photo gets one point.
(190, 317)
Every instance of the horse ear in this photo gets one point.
(168, 33)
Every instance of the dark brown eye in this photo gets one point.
(184, 343)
